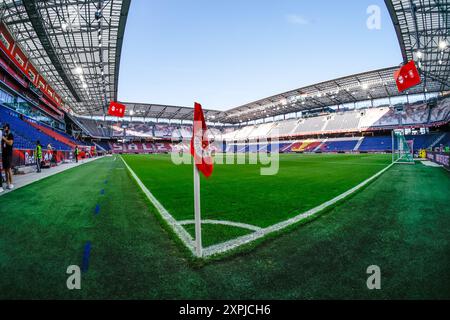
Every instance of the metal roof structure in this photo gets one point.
(76, 45)
(355, 88)
(157, 111)
(423, 31)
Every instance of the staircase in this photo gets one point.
(439, 139)
(319, 147)
(358, 144)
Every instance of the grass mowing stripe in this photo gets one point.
(167, 217)
(300, 185)
(399, 222)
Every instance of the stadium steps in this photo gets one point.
(99, 147)
(360, 141)
(26, 134)
(319, 147)
(439, 139)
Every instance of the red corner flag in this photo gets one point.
(116, 109)
(407, 76)
(200, 143)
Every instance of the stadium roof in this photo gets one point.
(158, 111)
(76, 45)
(62, 40)
(423, 31)
(422, 27)
(359, 87)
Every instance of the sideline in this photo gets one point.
(223, 247)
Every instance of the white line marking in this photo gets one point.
(223, 222)
(259, 233)
(233, 244)
(177, 228)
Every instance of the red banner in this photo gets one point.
(407, 76)
(116, 109)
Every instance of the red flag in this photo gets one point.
(407, 76)
(116, 109)
(200, 143)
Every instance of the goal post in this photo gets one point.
(402, 149)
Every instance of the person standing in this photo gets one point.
(7, 153)
(38, 155)
(1, 174)
(76, 152)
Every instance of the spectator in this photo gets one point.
(76, 152)
(1, 175)
(38, 155)
(7, 153)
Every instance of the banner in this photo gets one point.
(407, 76)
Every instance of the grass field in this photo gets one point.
(400, 222)
(239, 193)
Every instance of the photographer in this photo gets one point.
(7, 153)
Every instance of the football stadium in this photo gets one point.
(333, 189)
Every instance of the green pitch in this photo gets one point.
(239, 193)
(399, 222)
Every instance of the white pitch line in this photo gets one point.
(223, 247)
(223, 222)
(176, 227)
(233, 244)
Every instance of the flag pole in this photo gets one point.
(198, 218)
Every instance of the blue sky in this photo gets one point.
(225, 53)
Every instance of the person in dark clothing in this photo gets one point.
(76, 152)
(38, 155)
(7, 153)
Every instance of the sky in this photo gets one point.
(226, 53)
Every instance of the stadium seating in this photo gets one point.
(55, 135)
(415, 115)
(286, 128)
(345, 121)
(337, 145)
(262, 130)
(96, 128)
(103, 145)
(376, 144)
(26, 134)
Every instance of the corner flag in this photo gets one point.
(202, 162)
(200, 143)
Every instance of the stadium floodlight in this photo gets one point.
(365, 86)
(419, 54)
(442, 44)
(64, 26)
(78, 70)
(85, 85)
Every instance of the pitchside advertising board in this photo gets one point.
(440, 158)
(26, 157)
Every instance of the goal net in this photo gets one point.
(403, 150)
